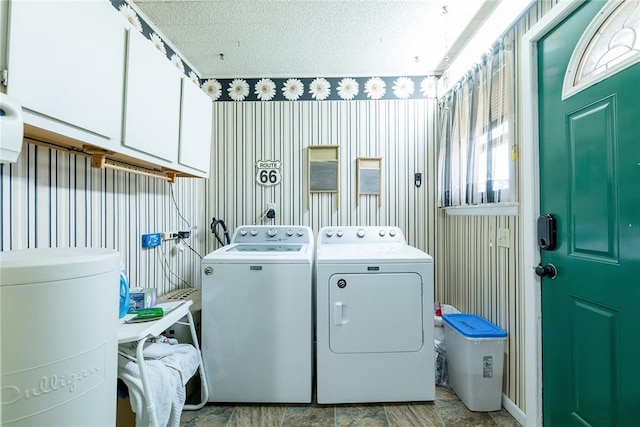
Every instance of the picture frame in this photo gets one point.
(369, 177)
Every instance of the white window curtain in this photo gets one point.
(475, 118)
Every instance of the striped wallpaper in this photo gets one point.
(471, 272)
(55, 198)
(398, 131)
(477, 276)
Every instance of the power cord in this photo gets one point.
(189, 246)
(168, 267)
(182, 235)
(268, 213)
(173, 198)
(264, 215)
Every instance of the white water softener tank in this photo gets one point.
(59, 336)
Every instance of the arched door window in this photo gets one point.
(610, 44)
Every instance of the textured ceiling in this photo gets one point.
(309, 38)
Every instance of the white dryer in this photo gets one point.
(374, 302)
(257, 316)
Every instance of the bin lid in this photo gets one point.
(473, 326)
(28, 266)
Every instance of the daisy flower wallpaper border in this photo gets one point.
(137, 23)
(288, 89)
(320, 88)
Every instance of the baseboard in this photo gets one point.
(513, 409)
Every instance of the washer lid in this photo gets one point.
(240, 253)
(37, 265)
(265, 248)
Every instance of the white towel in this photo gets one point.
(166, 377)
(185, 360)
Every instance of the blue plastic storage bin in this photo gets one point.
(473, 326)
(475, 359)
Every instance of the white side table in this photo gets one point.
(141, 332)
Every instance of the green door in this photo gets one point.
(590, 182)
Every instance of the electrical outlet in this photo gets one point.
(503, 237)
(271, 210)
(168, 235)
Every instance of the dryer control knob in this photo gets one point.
(254, 232)
(392, 233)
(339, 233)
(243, 232)
(301, 232)
(289, 232)
(272, 232)
(329, 233)
(360, 233)
(382, 233)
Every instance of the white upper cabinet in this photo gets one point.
(87, 80)
(152, 106)
(66, 66)
(195, 127)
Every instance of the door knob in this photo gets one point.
(548, 270)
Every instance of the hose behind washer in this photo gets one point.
(214, 229)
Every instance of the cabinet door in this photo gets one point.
(66, 62)
(195, 127)
(152, 110)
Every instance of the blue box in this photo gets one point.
(142, 298)
(151, 240)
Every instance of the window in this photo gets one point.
(610, 44)
(476, 165)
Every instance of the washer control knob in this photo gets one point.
(329, 233)
(301, 232)
(243, 232)
(360, 233)
(254, 232)
(272, 232)
(339, 233)
(392, 233)
(382, 233)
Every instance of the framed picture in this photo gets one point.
(369, 177)
(323, 169)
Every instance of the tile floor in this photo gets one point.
(447, 410)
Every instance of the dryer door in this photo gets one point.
(375, 313)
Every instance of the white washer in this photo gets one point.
(256, 316)
(374, 317)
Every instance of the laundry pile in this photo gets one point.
(168, 366)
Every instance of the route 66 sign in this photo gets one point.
(268, 172)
